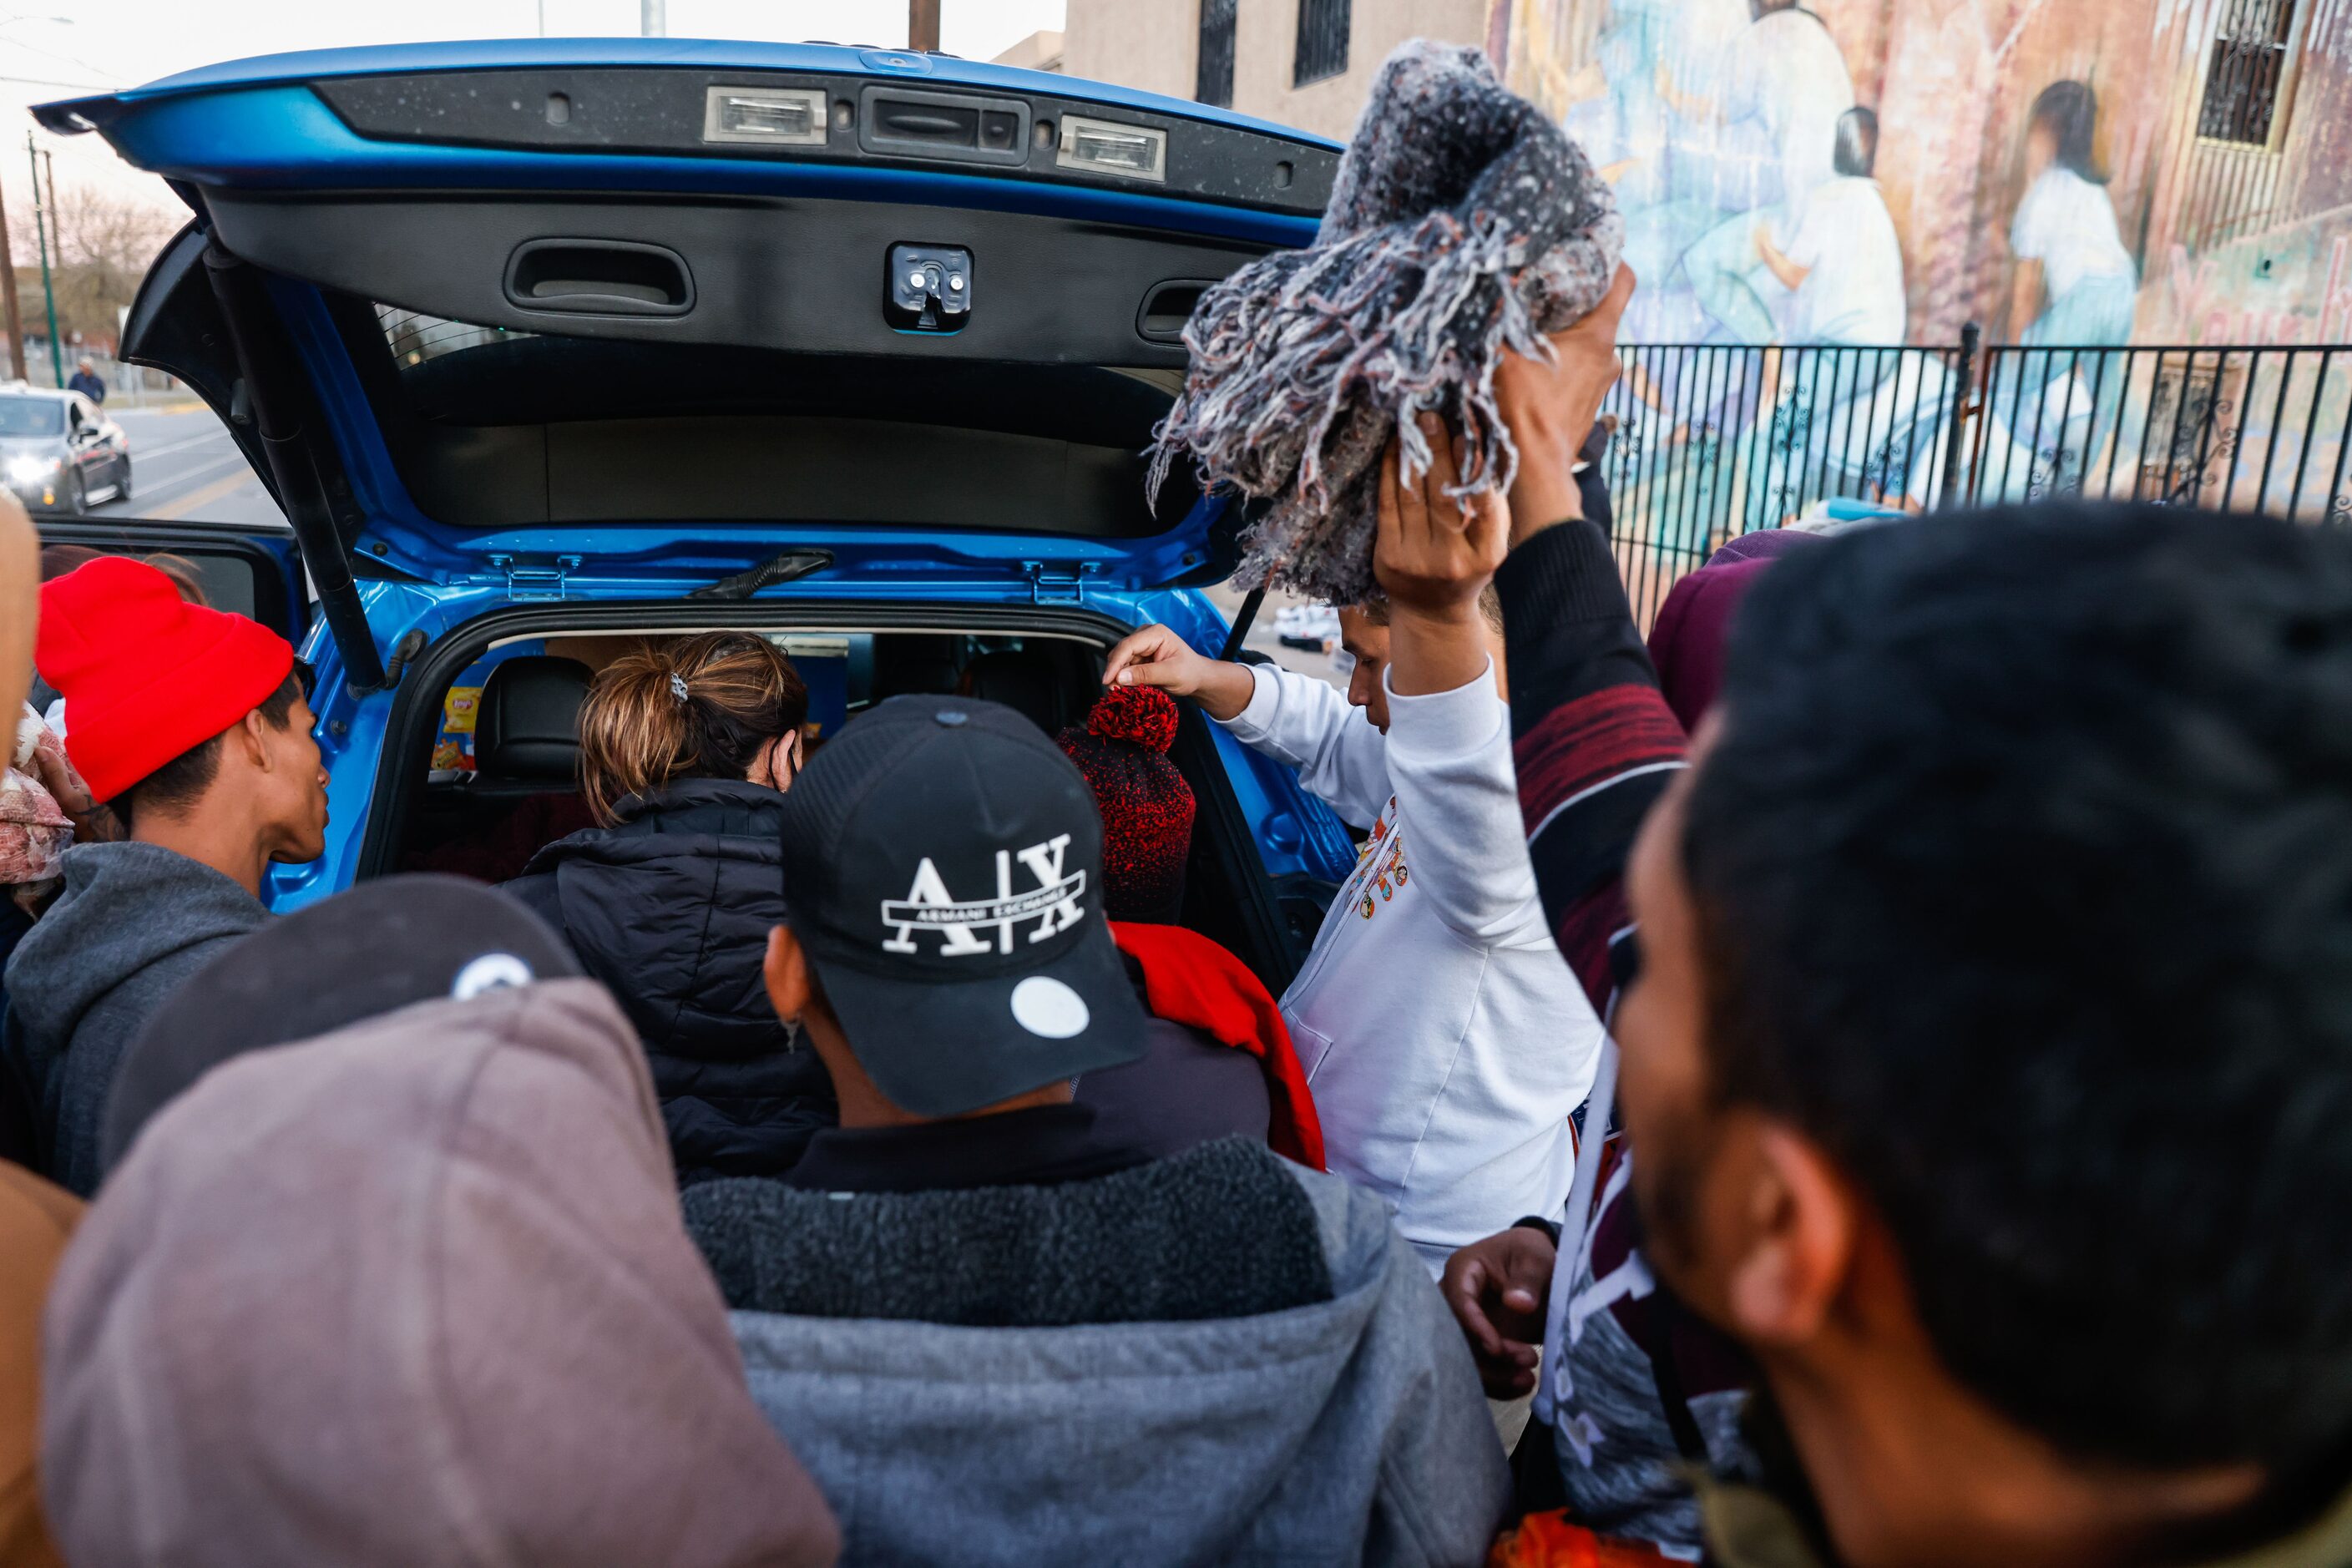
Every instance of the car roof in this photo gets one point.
(68, 115)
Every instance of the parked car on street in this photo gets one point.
(1313, 627)
(543, 345)
(58, 450)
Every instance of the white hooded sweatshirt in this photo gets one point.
(1446, 1038)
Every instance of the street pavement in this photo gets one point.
(1261, 638)
(184, 466)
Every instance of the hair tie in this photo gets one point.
(678, 685)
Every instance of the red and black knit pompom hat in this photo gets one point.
(1147, 807)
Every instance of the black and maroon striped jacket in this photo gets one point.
(1592, 737)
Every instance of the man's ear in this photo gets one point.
(252, 734)
(1797, 1240)
(786, 972)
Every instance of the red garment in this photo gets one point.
(1550, 1541)
(501, 852)
(147, 676)
(1190, 980)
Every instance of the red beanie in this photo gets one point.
(1147, 807)
(147, 676)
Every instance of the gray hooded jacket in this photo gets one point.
(1346, 1431)
(135, 920)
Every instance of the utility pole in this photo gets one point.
(923, 24)
(9, 290)
(652, 20)
(43, 219)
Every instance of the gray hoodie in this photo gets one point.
(135, 920)
(1346, 1431)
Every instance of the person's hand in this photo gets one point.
(1433, 556)
(1436, 553)
(1157, 657)
(93, 823)
(1497, 1288)
(1551, 408)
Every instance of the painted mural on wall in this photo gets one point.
(1820, 196)
(1741, 159)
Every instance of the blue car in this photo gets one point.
(543, 346)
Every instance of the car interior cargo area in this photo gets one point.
(486, 770)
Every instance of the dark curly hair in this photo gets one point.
(2023, 866)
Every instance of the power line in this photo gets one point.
(52, 81)
(53, 54)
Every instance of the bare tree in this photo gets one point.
(104, 244)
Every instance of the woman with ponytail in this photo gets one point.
(686, 748)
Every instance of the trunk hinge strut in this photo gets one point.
(277, 393)
(1243, 620)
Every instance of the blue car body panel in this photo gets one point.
(257, 125)
(716, 54)
(285, 138)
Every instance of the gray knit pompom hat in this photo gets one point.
(1462, 222)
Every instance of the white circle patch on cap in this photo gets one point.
(491, 971)
(1046, 1008)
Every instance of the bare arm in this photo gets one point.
(1699, 109)
(1297, 720)
(93, 823)
(2025, 299)
(1791, 276)
(1157, 657)
(1551, 407)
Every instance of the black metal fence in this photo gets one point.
(2237, 429)
(1714, 441)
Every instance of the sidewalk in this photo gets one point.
(1262, 639)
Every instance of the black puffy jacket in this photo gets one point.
(671, 907)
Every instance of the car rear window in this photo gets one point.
(414, 337)
(32, 416)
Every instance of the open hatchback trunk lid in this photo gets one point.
(669, 313)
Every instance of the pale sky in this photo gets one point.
(121, 43)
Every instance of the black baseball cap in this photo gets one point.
(382, 946)
(943, 870)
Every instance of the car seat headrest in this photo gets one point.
(529, 727)
(1050, 684)
(913, 661)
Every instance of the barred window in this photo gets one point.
(2249, 69)
(1215, 80)
(1322, 41)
